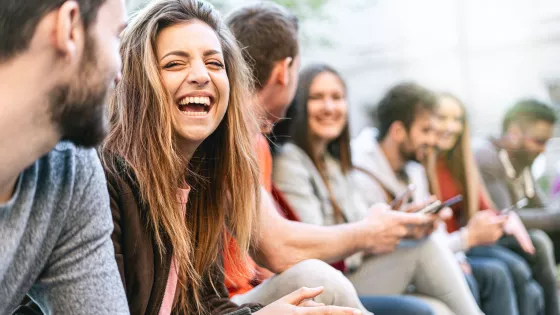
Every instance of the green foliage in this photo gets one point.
(304, 9)
(307, 11)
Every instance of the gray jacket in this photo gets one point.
(295, 175)
(539, 215)
(299, 180)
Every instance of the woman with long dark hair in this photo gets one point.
(312, 170)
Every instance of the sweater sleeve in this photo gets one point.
(493, 176)
(216, 296)
(81, 276)
(116, 236)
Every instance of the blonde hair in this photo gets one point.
(223, 171)
(461, 163)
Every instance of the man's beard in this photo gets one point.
(408, 155)
(78, 108)
(522, 157)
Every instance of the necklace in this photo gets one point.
(528, 188)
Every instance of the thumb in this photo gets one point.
(379, 207)
(302, 294)
(500, 220)
(412, 218)
(446, 214)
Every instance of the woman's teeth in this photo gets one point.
(194, 105)
(189, 113)
(204, 100)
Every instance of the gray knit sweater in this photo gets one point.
(55, 240)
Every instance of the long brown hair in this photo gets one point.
(461, 163)
(223, 171)
(295, 128)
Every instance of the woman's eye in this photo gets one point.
(216, 64)
(170, 65)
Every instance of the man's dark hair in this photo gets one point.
(19, 19)
(267, 33)
(528, 111)
(402, 102)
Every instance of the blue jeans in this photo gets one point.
(530, 299)
(492, 286)
(542, 264)
(396, 305)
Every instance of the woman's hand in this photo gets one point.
(485, 228)
(300, 302)
(515, 227)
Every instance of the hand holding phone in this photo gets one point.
(449, 203)
(399, 200)
(430, 208)
(522, 203)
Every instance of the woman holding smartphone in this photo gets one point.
(452, 171)
(312, 171)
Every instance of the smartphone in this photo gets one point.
(430, 208)
(409, 189)
(518, 205)
(449, 202)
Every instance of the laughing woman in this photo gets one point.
(179, 162)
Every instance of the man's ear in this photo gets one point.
(280, 73)
(397, 131)
(69, 35)
(515, 134)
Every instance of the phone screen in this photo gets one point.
(449, 202)
(431, 207)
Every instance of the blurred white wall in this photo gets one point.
(489, 53)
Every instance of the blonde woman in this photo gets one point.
(452, 171)
(181, 172)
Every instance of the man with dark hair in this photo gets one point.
(268, 35)
(405, 115)
(57, 61)
(404, 135)
(505, 166)
(386, 162)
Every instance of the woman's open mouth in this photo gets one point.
(195, 105)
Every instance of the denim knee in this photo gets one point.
(499, 273)
(396, 305)
(535, 294)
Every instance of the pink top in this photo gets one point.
(172, 279)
